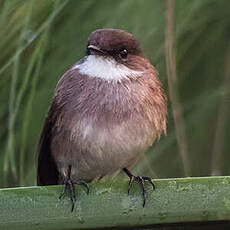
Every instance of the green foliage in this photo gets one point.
(40, 40)
(109, 206)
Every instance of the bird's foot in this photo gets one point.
(70, 185)
(141, 180)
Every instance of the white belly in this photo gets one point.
(94, 151)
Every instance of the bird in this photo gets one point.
(106, 111)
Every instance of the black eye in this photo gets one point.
(123, 54)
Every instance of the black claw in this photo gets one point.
(149, 180)
(63, 191)
(84, 184)
(72, 208)
(141, 181)
(130, 183)
(69, 184)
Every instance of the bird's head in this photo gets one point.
(113, 43)
(113, 55)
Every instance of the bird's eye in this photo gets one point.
(123, 54)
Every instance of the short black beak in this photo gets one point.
(91, 49)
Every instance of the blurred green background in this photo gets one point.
(40, 40)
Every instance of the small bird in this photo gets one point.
(107, 109)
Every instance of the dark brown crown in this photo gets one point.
(114, 41)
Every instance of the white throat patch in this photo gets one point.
(105, 68)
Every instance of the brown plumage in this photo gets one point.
(97, 126)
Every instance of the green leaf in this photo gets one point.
(108, 205)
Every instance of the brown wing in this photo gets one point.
(47, 173)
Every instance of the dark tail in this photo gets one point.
(47, 173)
